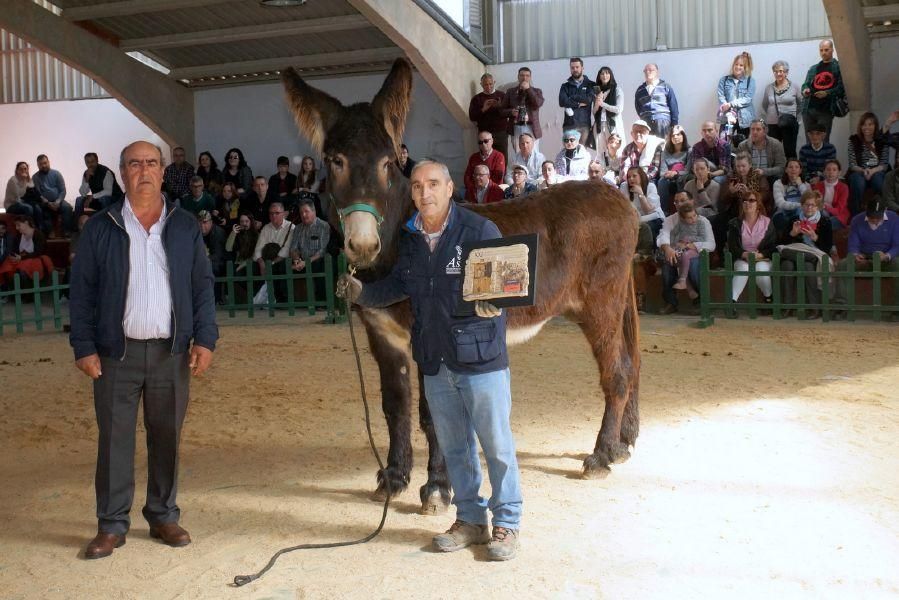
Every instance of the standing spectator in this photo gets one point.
(494, 160)
(736, 91)
(674, 166)
(573, 158)
(227, 206)
(752, 232)
(486, 110)
(766, 153)
(176, 178)
(27, 255)
(645, 199)
(611, 155)
(822, 90)
(51, 186)
(715, 150)
(809, 239)
(703, 190)
(869, 158)
(197, 199)
(209, 170)
(876, 231)
(282, 184)
(135, 314)
(484, 190)
(644, 151)
(403, 162)
(781, 105)
(655, 102)
(607, 107)
(787, 192)
(521, 106)
(520, 185)
(237, 171)
(21, 194)
(835, 195)
(526, 156)
(576, 96)
(683, 200)
(214, 240)
(548, 175)
(815, 154)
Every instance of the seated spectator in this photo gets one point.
(310, 241)
(597, 172)
(715, 150)
(51, 186)
(214, 240)
(645, 151)
(815, 154)
(197, 199)
(485, 109)
(687, 236)
(736, 91)
(671, 273)
(22, 198)
(781, 105)
(873, 232)
(282, 184)
(241, 242)
(548, 175)
(403, 162)
(255, 203)
(890, 193)
(766, 153)
(751, 233)
(673, 166)
(787, 192)
(237, 172)
(611, 155)
(27, 256)
(209, 170)
(703, 190)
(809, 238)
(655, 102)
(7, 242)
(99, 187)
(645, 199)
(573, 158)
(487, 156)
(227, 207)
(744, 179)
(869, 158)
(576, 96)
(274, 239)
(520, 185)
(485, 190)
(892, 138)
(607, 108)
(176, 177)
(526, 156)
(835, 195)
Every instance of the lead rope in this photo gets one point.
(242, 580)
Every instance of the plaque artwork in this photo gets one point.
(499, 272)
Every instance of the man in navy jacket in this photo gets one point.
(141, 292)
(462, 357)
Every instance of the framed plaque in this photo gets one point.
(501, 271)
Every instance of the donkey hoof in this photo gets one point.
(379, 495)
(619, 454)
(595, 472)
(434, 505)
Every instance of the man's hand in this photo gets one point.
(200, 359)
(349, 288)
(860, 259)
(821, 94)
(884, 257)
(486, 310)
(90, 365)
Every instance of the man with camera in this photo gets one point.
(522, 108)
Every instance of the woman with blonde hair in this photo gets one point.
(736, 91)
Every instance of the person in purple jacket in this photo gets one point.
(874, 232)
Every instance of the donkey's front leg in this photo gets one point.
(396, 401)
(435, 494)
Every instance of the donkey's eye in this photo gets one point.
(337, 162)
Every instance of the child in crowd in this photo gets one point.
(684, 236)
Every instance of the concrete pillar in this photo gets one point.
(850, 36)
(163, 105)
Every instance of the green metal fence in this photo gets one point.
(828, 307)
(45, 302)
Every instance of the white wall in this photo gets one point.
(65, 131)
(694, 74)
(255, 119)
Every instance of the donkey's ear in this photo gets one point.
(313, 110)
(391, 104)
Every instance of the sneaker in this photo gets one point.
(461, 535)
(503, 545)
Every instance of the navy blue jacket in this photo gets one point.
(570, 95)
(433, 281)
(99, 284)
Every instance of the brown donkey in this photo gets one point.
(588, 232)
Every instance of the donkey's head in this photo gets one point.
(358, 144)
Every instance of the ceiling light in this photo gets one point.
(281, 3)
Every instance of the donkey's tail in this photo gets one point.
(630, 330)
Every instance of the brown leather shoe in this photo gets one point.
(171, 534)
(103, 545)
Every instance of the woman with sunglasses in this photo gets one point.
(751, 233)
(573, 158)
(237, 171)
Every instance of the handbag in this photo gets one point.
(271, 250)
(840, 106)
(784, 120)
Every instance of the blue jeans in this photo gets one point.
(857, 186)
(669, 277)
(464, 406)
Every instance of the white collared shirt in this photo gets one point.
(148, 304)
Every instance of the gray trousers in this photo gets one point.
(149, 370)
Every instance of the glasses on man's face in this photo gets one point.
(273, 213)
(482, 142)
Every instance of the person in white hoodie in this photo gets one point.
(644, 151)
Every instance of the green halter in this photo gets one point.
(360, 207)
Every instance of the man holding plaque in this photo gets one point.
(463, 360)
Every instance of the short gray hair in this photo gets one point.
(429, 163)
(196, 179)
(781, 64)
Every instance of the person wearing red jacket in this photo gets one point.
(835, 194)
(485, 190)
(486, 155)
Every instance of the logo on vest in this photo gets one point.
(454, 266)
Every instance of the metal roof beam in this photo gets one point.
(884, 12)
(331, 59)
(250, 32)
(126, 8)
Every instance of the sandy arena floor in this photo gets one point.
(767, 467)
